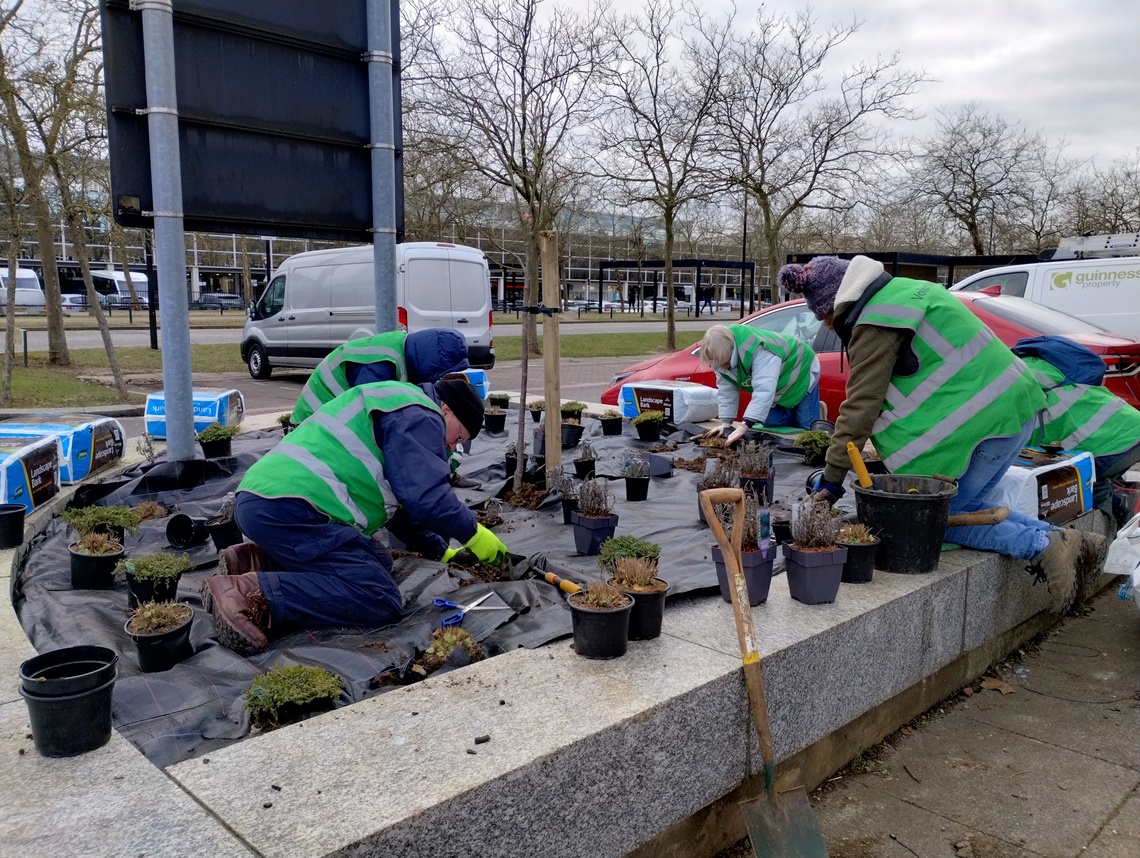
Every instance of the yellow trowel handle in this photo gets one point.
(857, 463)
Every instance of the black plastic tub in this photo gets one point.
(68, 670)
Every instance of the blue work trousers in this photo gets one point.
(1019, 535)
(803, 414)
(323, 573)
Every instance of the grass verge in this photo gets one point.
(601, 345)
(52, 387)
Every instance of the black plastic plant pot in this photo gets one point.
(648, 612)
(636, 488)
(69, 670)
(160, 651)
(590, 533)
(569, 507)
(538, 443)
(12, 524)
(219, 449)
(814, 576)
(600, 633)
(93, 571)
(155, 590)
(584, 468)
(512, 463)
(182, 531)
(495, 422)
(757, 573)
(758, 486)
(571, 415)
(70, 724)
(860, 565)
(571, 434)
(223, 533)
(649, 431)
(782, 529)
(536, 415)
(611, 425)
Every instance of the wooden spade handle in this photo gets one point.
(741, 609)
(980, 517)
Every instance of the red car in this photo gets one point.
(1008, 317)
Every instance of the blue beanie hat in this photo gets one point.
(818, 281)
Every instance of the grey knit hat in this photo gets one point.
(817, 280)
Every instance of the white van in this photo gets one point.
(1103, 291)
(319, 300)
(29, 294)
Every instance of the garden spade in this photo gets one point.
(779, 825)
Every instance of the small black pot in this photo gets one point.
(611, 425)
(860, 563)
(495, 422)
(67, 725)
(538, 443)
(647, 614)
(12, 524)
(650, 431)
(590, 533)
(512, 463)
(160, 590)
(569, 507)
(600, 633)
(782, 529)
(571, 415)
(584, 468)
(93, 571)
(182, 531)
(68, 671)
(536, 415)
(571, 434)
(216, 449)
(636, 488)
(223, 533)
(162, 650)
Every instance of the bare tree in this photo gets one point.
(788, 139)
(1107, 200)
(658, 136)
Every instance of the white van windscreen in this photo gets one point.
(428, 287)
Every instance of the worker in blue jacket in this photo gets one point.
(375, 456)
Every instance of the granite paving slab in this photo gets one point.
(1121, 833)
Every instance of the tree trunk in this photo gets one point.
(10, 322)
(79, 242)
(976, 237)
(58, 353)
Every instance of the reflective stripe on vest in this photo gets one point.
(330, 379)
(967, 386)
(1087, 418)
(332, 460)
(795, 362)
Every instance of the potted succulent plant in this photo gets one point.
(724, 475)
(115, 521)
(93, 560)
(500, 400)
(148, 510)
(756, 472)
(635, 470)
(511, 457)
(757, 550)
(215, 440)
(587, 460)
(494, 419)
(563, 483)
(153, 577)
(813, 445)
(600, 617)
(611, 422)
(572, 430)
(537, 406)
(813, 561)
(288, 694)
(861, 545)
(632, 564)
(648, 425)
(595, 521)
(573, 410)
(161, 631)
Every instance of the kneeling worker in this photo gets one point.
(419, 357)
(781, 372)
(375, 456)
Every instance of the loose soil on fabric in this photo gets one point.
(527, 497)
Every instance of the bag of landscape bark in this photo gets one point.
(210, 406)
(88, 442)
(29, 470)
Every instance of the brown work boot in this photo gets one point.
(1057, 566)
(241, 613)
(241, 558)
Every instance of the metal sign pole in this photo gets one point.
(383, 150)
(169, 236)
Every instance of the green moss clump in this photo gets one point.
(814, 443)
(574, 407)
(270, 697)
(88, 519)
(626, 546)
(155, 567)
(217, 432)
(648, 417)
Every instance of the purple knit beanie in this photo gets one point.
(817, 281)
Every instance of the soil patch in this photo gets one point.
(527, 497)
(697, 465)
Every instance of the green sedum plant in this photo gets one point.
(574, 407)
(499, 400)
(217, 432)
(88, 519)
(813, 443)
(270, 696)
(617, 547)
(648, 417)
(155, 567)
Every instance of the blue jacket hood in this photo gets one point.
(433, 353)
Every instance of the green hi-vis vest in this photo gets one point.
(332, 461)
(795, 357)
(1083, 417)
(330, 379)
(968, 386)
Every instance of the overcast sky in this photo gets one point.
(1069, 68)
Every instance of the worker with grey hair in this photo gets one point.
(781, 373)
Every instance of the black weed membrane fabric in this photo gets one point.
(197, 706)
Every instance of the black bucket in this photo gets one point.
(69, 670)
(909, 524)
(70, 724)
(12, 524)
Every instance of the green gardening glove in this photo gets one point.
(447, 555)
(487, 547)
